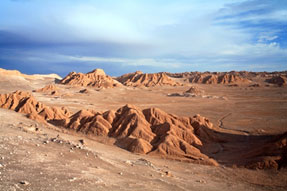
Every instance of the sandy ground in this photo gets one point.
(32, 156)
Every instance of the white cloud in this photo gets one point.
(264, 38)
(130, 62)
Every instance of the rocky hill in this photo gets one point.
(152, 131)
(24, 102)
(50, 89)
(279, 80)
(232, 77)
(96, 78)
(226, 78)
(138, 79)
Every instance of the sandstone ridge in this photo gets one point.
(24, 102)
(138, 79)
(152, 131)
(96, 78)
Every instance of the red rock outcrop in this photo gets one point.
(154, 132)
(217, 78)
(150, 131)
(84, 91)
(138, 79)
(24, 102)
(96, 78)
(50, 89)
(232, 77)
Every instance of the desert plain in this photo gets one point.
(162, 131)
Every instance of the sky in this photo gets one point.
(121, 36)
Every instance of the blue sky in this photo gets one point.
(52, 36)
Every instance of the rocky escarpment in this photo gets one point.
(96, 78)
(149, 131)
(138, 79)
(152, 131)
(206, 78)
(24, 102)
(233, 77)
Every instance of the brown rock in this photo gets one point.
(218, 78)
(154, 132)
(138, 79)
(24, 102)
(193, 90)
(96, 78)
(278, 80)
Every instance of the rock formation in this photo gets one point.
(84, 91)
(24, 102)
(226, 78)
(150, 131)
(232, 77)
(50, 89)
(138, 79)
(193, 90)
(154, 132)
(278, 80)
(96, 78)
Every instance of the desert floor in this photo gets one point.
(28, 154)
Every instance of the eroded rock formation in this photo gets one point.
(96, 78)
(138, 79)
(154, 132)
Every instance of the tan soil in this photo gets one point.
(248, 131)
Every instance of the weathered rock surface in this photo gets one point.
(96, 78)
(138, 79)
(154, 132)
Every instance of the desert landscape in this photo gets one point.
(137, 95)
(143, 131)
